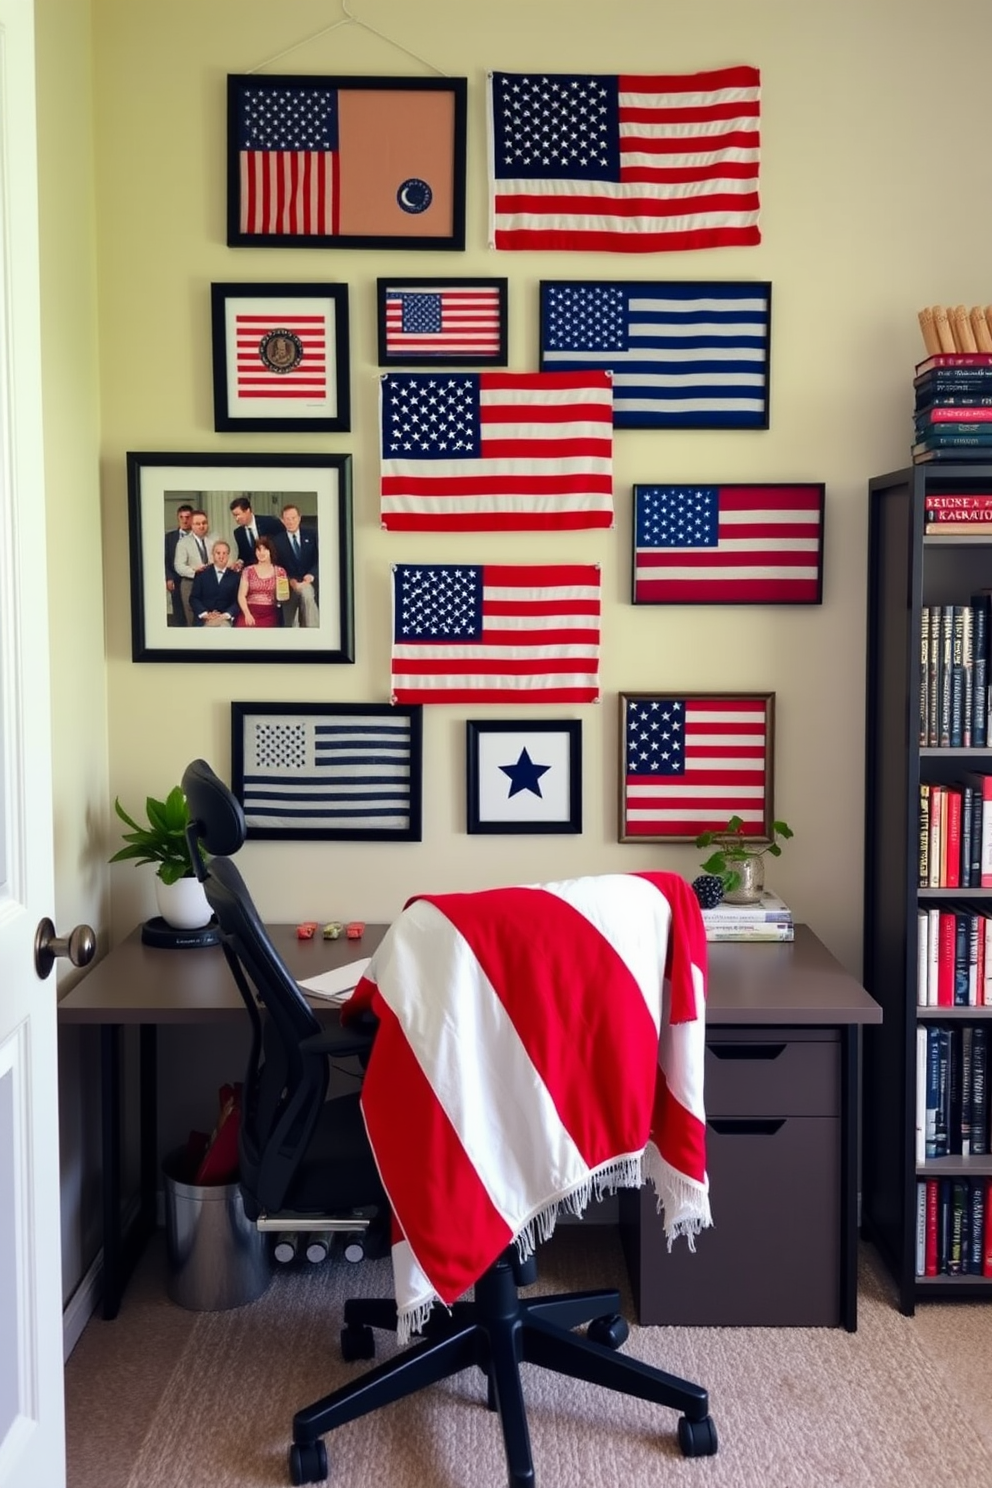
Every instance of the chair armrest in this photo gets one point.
(339, 1041)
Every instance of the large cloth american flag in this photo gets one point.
(480, 632)
(628, 164)
(684, 355)
(752, 544)
(529, 1058)
(691, 763)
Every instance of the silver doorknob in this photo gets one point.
(79, 946)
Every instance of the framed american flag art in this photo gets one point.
(280, 358)
(524, 777)
(345, 162)
(690, 761)
(442, 322)
(728, 543)
(346, 772)
(684, 354)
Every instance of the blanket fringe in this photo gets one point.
(684, 1204)
(414, 1320)
(622, 1172)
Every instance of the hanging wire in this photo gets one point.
(348, 19)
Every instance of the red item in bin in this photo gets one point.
(219, 1163)
(355, 930)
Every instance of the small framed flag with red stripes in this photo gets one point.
(442, 322)
(728, 544)
(690, 761)
(280, 354)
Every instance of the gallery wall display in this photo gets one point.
(684, 354)
(280, 358)
(346, 162)
(346, 772)
(524, 777)
(690, 761)
(745, 543)
(442, 322)
(191, 518)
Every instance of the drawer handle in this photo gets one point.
(746, 1051)
(743, 1126)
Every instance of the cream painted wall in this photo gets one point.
(852, 152)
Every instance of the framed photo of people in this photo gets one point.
(350, 772)
(280, 358)
(240, 557)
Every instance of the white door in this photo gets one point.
(32, 1432)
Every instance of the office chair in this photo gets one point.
(495, 1332)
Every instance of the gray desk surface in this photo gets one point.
(797, 983)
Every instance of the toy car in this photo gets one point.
(306, 930)
(332, 930)
(355, 929)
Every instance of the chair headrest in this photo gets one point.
(216, 817)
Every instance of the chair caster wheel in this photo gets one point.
(611, 1332)
(308, 1463)
(525, 1272)
(697, 1438)
(357, 1342)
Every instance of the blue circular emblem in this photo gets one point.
(415, 195)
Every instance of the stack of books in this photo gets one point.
(953, 415)
(768, 919)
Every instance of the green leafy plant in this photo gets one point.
(163, 841)
(733, 847)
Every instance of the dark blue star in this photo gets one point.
(524, 775)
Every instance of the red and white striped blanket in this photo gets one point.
(538, 1046)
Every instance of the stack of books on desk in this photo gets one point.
(768, 919)
(952, 419)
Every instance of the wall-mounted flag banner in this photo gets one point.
(340, 162)
(442, 322)
(733, 544)
(628, 164)
(690, 763)
(496, 451)
(474, 633)
(684, 355)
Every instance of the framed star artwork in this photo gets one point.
(524, 777)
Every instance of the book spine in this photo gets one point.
(922, 1087)
(967, 794)
(979, 647)
(922, 955)
(974, 935)
(956, 1238)
(955, 359)
(930, 1264)
(956, 733)
(945, 963)
(924, 675)
(932, 1091)
(936, 834)
(946, 675)
(977, 811)
(961, 939)
(964, 1090)
(769, 934)
(979, 1196)
(933, 950)
(955, 414)
(928, 399)
(943, 1119)
(979, 1091)
(952, 838)
(967, 661)
(987, 1259)
(921, 1228)
(933, 705)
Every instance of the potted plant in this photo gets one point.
(739, 862)
(178, 892)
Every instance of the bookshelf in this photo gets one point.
(907, 570)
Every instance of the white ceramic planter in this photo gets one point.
(183, 905)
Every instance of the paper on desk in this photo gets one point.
(337, 984)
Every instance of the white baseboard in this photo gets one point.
(82, 1305)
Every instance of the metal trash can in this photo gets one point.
(217, 1258)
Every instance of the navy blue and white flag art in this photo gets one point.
(684, 355)
(351, 772)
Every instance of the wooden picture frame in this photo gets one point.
(315, 626)
(690, 761)
(346, 162)
(684, 354)
(442, 322)
(728, 543)
(280, 358)
(332, 772)
(524, 777)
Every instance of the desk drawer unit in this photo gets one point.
(772, 1257)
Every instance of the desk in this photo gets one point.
(753, 989)
(145, 986)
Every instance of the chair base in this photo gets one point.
(497, 1332)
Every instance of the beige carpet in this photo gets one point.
(163, 1397)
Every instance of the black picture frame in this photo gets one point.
(280, 358)
(342, 772)
(664, 377)
(769, 532)
(523, 776)
(382, 163)
(319, 486)
(442, 322)
(660, 731)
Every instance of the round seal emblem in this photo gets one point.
(281, 351)
(415, 195)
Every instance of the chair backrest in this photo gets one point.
(285, 1086)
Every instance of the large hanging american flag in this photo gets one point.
(490, 451)
(628, 164)
(690, 355)
(692, 762)
(752, 544)
(344, 771)
(476, 633)
(438, 322)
